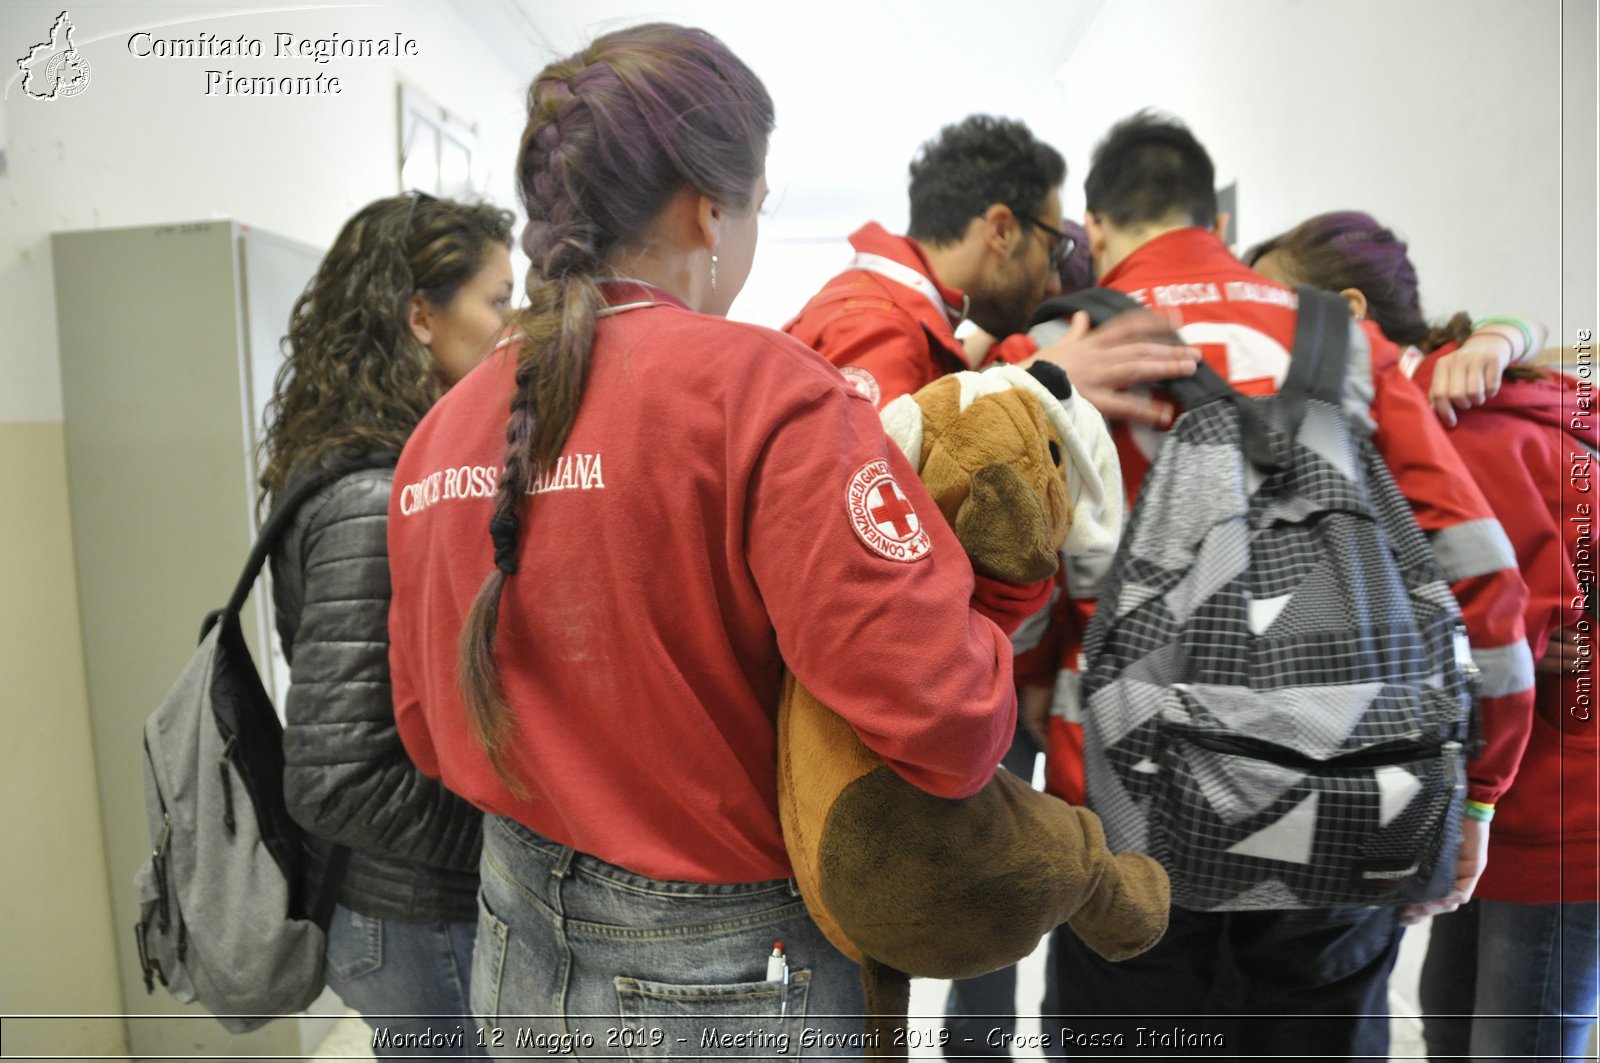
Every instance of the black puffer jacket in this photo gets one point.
(414, 845)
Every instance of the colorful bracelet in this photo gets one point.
(1514, 322)
(1478, 810)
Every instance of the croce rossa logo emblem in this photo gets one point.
(55, 69)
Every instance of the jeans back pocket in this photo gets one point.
(748, 1020)
(355, 945)
(488, 963)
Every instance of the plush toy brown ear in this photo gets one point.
(908, 884)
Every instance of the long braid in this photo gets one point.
(613, 133)
(552, 368)
(487, 710)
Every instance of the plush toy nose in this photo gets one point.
(1004, 527)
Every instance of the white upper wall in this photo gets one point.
(143, 144)
(1447, 119)
(1442, 118)
(857, 87)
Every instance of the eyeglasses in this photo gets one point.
(1061, 246)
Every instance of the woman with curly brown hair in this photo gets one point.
(408, 300)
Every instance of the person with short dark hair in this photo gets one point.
(985, 244)
(1154, 230)
(1149, 172)
(974, 164)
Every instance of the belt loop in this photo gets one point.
(794, 887)
(563, 863)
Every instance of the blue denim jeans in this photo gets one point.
(409, 981)
(1512, 980)
(592, 961)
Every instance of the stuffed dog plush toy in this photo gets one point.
(909, 884)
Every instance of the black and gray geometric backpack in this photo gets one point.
(221, 919)
(1278, 688)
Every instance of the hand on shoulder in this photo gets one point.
(1104, 363)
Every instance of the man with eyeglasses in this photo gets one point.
(984, 245)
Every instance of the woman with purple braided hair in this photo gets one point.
(1367, 263)
(595, 597)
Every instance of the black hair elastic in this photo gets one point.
(503, 528)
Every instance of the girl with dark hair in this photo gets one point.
(1515, 972)
(595, 600)
(1368, 265)
(409, 298)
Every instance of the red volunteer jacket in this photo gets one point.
(888, 323)
(1531, 449)
(1244, 326)
(725, 506)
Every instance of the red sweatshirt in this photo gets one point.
(1244, 326)
(889, 324)
(1531, 448)
(725, 505)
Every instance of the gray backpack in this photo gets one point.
(1278, 687)
(221, 919)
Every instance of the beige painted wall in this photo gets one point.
(55, 886)
(143, 145)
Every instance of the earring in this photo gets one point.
(713, 273)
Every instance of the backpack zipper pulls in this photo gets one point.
(158, 863)
(144, 958)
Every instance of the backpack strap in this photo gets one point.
(1320, 357)
(1101, 304)
(1205, 386)
(278, 521)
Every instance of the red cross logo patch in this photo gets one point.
(864, 382)
(883, 517)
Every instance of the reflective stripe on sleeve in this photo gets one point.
(1067, 699)
(1358, 387)
(1472, 548)
(1032, 630)
(1504, 670)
